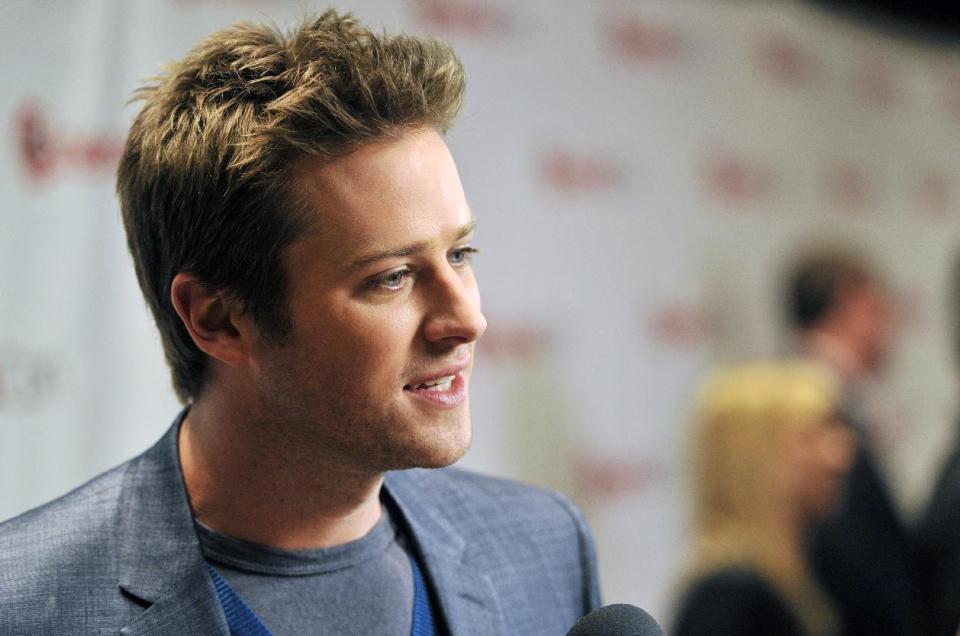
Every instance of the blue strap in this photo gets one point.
(422, 612)
(243, 621)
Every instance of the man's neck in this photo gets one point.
(244, 487)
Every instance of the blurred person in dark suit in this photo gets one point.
(843, 316)
(938, 531)
(770, 460)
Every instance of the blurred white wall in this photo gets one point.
(640, 170)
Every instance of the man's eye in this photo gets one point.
(462, 255)
(391, 281)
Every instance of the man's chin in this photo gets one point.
(440, 450)
(444, 460)
(445, 454)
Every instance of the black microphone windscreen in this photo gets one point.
(616, 620)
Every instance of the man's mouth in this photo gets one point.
(439, 384)
(448, 389)
(439, 379)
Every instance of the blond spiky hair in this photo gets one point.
(206, 181)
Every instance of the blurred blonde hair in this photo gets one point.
(745, 416)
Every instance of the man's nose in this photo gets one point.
(454, 309)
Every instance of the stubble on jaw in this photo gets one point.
(308, 429)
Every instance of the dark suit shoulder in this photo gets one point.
(734, 601)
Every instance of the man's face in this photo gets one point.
(385, 312)
(869, 323)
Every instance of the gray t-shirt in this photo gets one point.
(361, 587)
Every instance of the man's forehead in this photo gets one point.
(372, 166)
(392, 195)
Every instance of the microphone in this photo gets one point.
(616, 620)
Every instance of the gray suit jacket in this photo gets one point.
(120, 555)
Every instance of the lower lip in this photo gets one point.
(449, 399)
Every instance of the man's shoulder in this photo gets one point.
(467, 492)
(499, 514)
(75, 513)
(532, 541)
(69, 538)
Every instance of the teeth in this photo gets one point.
(440, 384)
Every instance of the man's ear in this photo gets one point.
(210, 317)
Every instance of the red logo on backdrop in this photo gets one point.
(783, 58)
(607, 478)
(846, 186)
(569, 171)
(45, 152)
(514, 341)
(932, 191)
(737, 180)
(34, 142)
(461, 16)
(876, 83)
(638, 40)
(681, 325)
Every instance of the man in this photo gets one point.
(301, 236)
(843, 316)
(937, 535)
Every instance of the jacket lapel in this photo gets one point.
(466, 595)
(193, 608)
(161, 565)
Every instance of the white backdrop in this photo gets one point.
(640, 170)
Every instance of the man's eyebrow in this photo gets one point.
(407, 250)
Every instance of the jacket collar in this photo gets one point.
(466, 594)
(161, 564)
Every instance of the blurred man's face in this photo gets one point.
(868, 322)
